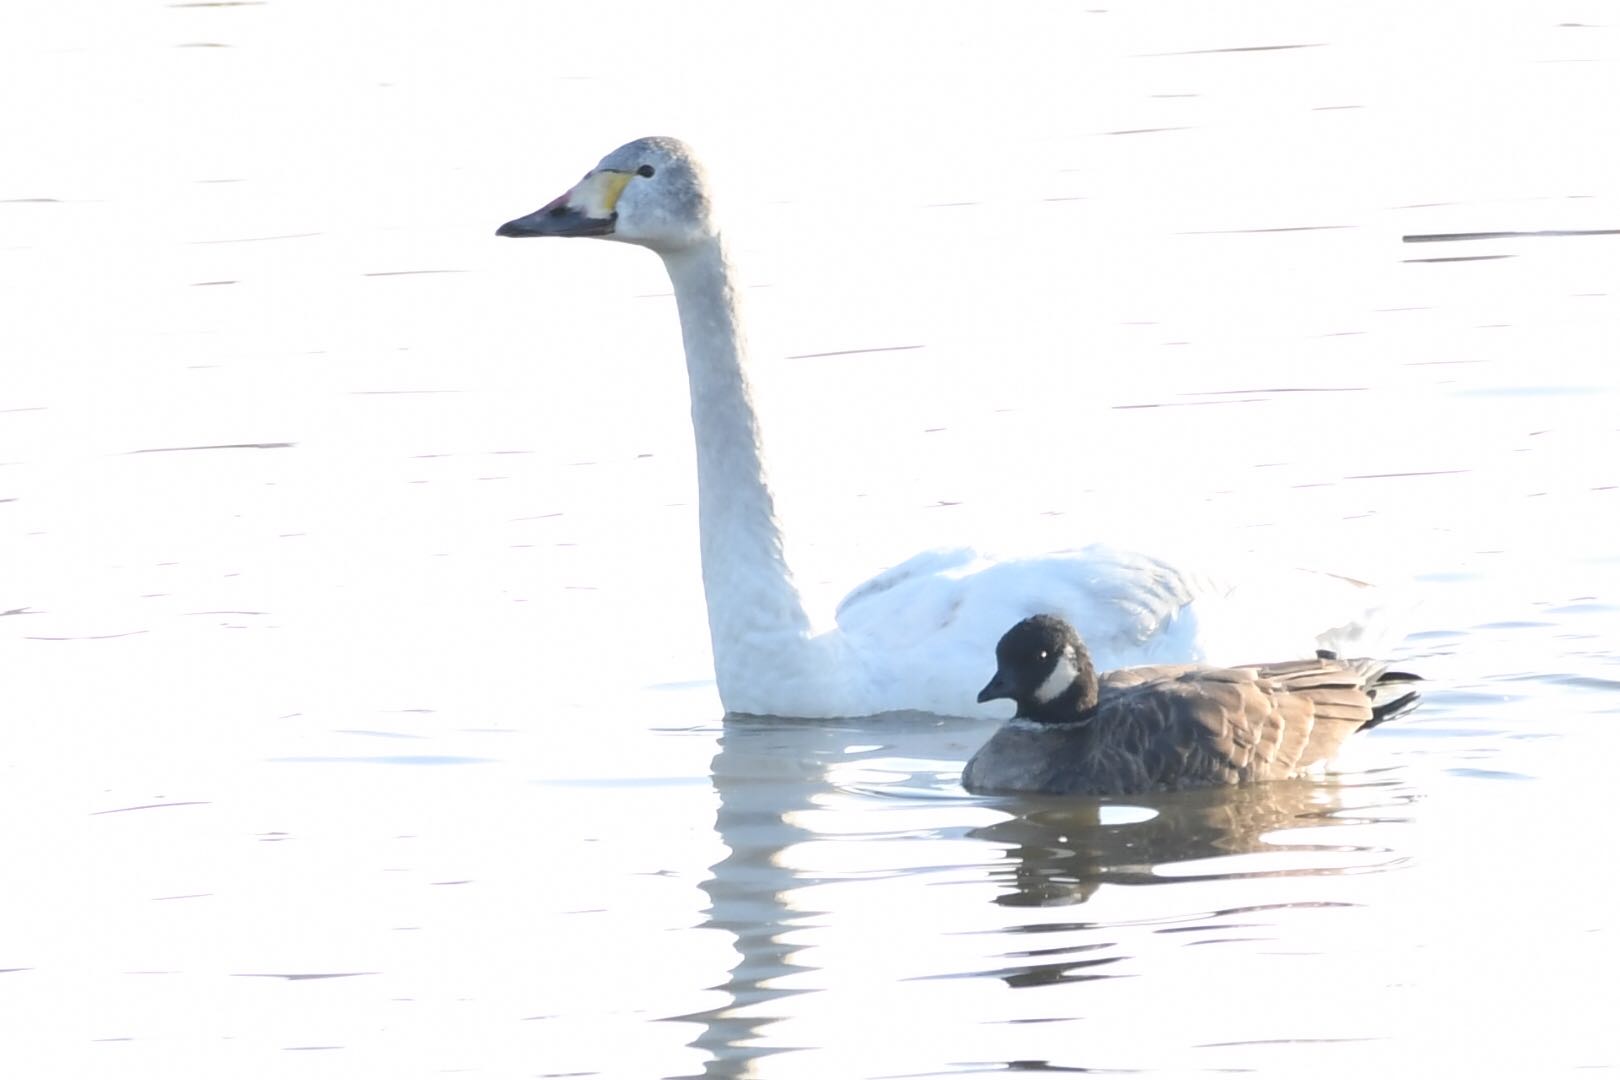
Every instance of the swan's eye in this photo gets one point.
(645, 170)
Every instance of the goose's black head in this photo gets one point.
(1042, 665)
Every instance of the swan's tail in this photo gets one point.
(1289, 613)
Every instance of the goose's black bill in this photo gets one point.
(997, 687)
(557, 218)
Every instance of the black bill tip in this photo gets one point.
(558, 219)
(996, 688)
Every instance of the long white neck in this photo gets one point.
(757, 622)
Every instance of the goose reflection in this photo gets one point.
(792, 792)
(1060, 851)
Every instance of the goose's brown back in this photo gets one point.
(1187, 725)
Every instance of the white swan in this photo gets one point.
(917, 636)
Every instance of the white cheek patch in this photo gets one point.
(1061, 679)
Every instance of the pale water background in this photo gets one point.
(357, 715)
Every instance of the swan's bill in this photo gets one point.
(584, 210)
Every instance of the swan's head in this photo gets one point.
(1038, 662)
(650, 192)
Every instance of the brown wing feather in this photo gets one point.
(1184, 724)
(1331, 700)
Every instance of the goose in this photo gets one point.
(1169, 726)
(909, 638)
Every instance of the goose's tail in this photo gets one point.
(1392, 696)
(1391, 691)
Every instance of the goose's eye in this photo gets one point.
(645, 170)
(1041, 655)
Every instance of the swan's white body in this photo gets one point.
(921, 635)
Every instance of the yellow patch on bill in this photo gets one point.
(599, 193)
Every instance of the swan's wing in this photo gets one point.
(936, 564)
(1127, 607)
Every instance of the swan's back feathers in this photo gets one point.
(925, 564)
(917, 634)
(1128, 600)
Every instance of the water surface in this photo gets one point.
(359, 713)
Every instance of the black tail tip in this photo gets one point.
(1390, 710)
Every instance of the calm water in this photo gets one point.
(358, 719)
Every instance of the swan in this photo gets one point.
(1172, 726)
(911, 637)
